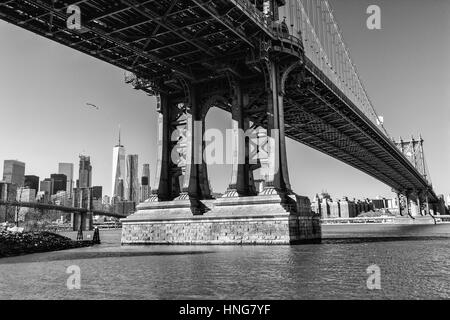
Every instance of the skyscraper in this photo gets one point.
(59, 182)
(132, 180)
(145, 182)
(118, 170)
(32, 182)
(14, 172)
(67, 169)
(47, 186)
(85, 172)
(97, 192)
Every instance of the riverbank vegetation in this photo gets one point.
(14, 243)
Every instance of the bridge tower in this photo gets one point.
(82, 198)
(181, 208)
(415, 202)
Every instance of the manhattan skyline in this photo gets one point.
(65, 80)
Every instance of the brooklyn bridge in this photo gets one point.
(279, 67)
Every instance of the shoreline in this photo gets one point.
(17, 244)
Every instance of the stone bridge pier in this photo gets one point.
(181, 209)
(415, 203)
(81, 221)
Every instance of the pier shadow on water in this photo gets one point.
(83, 255)
(338, 240)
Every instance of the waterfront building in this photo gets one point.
(344, 205)
(85, 172)
(315, 205)
(118, 170)
(132, 180)
(67, 169)
(59, 182)
(335, 210)
(14, 172)
(32, 182)
(324, 206)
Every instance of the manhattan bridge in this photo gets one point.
(275, 64)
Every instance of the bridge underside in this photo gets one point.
(195, 54)
(153, 39)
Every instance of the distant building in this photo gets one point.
(324, 206)
(67, 170)
(85, 172)
(118, 170)
(132, 180)
(59, 182)
(8, 191)
(124, 207)
(62, 198)
(380, 203)
(46, 186)
(145, 183)
(14, 172)
(97, 192)
(106, 200)
(121, 190)
(43, 197)
(25, 195)
(32, 182)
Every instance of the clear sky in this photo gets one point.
(44, 88)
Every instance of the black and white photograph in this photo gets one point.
(211, 153)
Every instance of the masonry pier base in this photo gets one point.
(264, 220)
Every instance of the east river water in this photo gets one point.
(414, 262)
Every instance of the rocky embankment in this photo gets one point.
(14, 244)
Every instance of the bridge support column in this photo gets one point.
(242, 182)
(414, 207)
(401, 209)
(81, 221)
(195, 180)
(194, 184)
(75, 221)
(166, 184)
(276, 175)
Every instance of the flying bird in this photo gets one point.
(92, 105)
